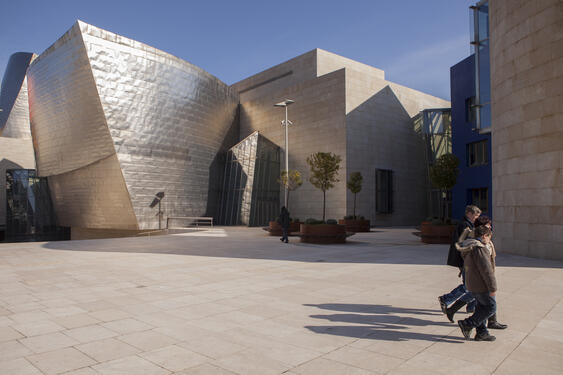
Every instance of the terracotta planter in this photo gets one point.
(430, 233)
(275, 228)
(355, 225)
(323, 233)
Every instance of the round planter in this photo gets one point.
(441, 234)
(353, 225)
(323, 233)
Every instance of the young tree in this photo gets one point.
(324, 169)
(291, 180)
(354, 184)
(443, 175)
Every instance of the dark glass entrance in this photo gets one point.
(29, 214)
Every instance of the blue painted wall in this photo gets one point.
(462, 78)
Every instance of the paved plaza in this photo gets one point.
(235, 301)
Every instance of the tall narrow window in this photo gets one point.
(384, 191)
(470, 110)
(477, 154)
(480, 198)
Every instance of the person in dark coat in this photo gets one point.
(284, 222)
(459, 296)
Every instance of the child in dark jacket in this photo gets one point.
(467, 233)
(480, 278)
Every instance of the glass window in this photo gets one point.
(250, 189)
(384, 191)
(480, 198)
(477, 154)
(482, 64)
(29, 211)
(470, 109)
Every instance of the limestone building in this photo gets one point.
(350, 109)
(527, 126)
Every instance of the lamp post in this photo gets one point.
(286, 123)
(157, 200)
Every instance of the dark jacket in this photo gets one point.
(479, 266)
(454, 257)
(284, 218)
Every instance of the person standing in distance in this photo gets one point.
(284, 222)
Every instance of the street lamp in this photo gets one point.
(157, 200)
(286, 123)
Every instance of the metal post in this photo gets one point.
(286, 123)
(286, 156)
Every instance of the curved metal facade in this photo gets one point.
(14, 118)
(115, 121)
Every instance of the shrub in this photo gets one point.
(331, 221)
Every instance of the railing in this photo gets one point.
(192, 222)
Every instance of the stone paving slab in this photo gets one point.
(233, 300)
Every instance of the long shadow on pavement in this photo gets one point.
(379, 322)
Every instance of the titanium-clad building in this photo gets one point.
(251, 193)
(14, 117)
(115, 121)
(16, 149)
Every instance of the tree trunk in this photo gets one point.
(354, 206)
(288, 199)
(324, 198)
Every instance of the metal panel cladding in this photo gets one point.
(14, 117)
(165, 119)
(251, 193)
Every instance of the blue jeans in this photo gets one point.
(460, 292)
(485, 308)
(284, 234)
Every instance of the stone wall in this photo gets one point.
(318, 125)
(380, 135)
(348, 108)
(527, 126)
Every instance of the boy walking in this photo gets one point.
(481, 282)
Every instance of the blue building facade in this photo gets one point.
(471, 145)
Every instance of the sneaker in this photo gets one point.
(443, 304)
(465, 329)
(484, 337)
(496, 325)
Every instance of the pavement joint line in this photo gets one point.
(526, 336)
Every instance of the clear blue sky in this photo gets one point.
(414, 41)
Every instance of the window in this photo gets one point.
(480, 198)
(477, 154)
(383, 191)
(470, 110)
